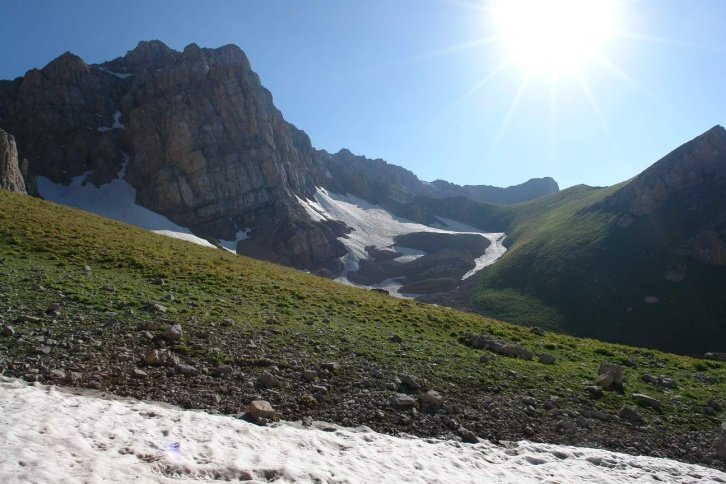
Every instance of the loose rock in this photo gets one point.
(258, 409)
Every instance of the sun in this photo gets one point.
(554, 36)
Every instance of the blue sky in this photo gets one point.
(380, 78)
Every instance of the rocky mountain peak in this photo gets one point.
(65, 66)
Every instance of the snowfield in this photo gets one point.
(373, 225)
(115, 200)
(52, 435)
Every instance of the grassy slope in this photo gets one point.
(301, 321)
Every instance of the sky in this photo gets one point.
(432, 85)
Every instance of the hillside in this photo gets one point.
(642, 262)
(85, 301)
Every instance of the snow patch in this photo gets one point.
(116, 123)
(231, 245)
(54, 435)
(373, 225)
(115, 200)
(117, 74)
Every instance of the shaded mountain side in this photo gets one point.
(641, 262)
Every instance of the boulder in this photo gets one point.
(267, 380)
(610, 376)
(173, 333)
(631, 415)
(646, 401)
(401, 400)
(258, 409)
(431, 401)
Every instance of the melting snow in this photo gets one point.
(116, 123)
(120, 76)
(51, 435)
(373, 225)
(115, 200)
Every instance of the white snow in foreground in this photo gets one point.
(373, 225)
(116, 123)
(115, 200)
(53, 435)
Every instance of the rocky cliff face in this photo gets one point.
(205, 145)
(10, 176)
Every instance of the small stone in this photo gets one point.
(155, 308)
(227, 322)
(546, 359)
(168, 297)
(467, 436)
(529, 401)
(538, 331)
(646, 401)
(528, 432)
(431, 401)
(320, 389)
(222, 370)
(260, 409)
(332, 366)
(27, 319)
(566, 426)
(485, 358)
(310, 375)
(715, 404)
(187, 369)
(8, 330)
(87, 268)
(159, 281)
(58, 374)
(594, 391)
(267, 380)
(73, 377)
(54, 308)
(630, 414)
(307, 400)
(410, 382)
(139, 373)
(173, 332)
(401, 400)
(396, 339)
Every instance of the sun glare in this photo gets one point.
(554, 36)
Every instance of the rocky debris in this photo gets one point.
(58, 374)
(259, 409)
(153, 307)
(661, 380)
(310, 375)
(566, 426)
(8, 330)
(173, 333)
(717, 405)
(222, 371)
(11, 177)
(267, 380)
(646, 401)
(410, 383)
(631, 415)
(431, 401)
(467, 436)
(402, 401)
(721, 445)
(546, 359)
(53, 309)
(715, 356)
(137, 373)
(610, 376)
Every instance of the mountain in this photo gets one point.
(642, 262)
(190, 144)
(89, 302)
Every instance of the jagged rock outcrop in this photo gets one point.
(10, 175)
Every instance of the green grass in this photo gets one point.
(301, 319)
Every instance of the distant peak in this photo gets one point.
(151, 52)
(65, 63)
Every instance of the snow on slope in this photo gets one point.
(115, 200)
(373, 225)
(52, 435)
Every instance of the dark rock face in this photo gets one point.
(10, 176)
